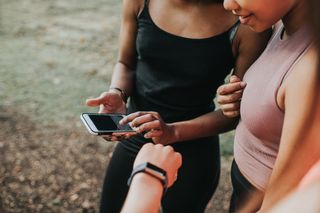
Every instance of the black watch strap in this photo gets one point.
(152, 170)
(124, 95)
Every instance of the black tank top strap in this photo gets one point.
(145, 3)
(172, 70)
(144, 12)
(233, 31)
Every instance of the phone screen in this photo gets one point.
(103, 123)
(108, 122)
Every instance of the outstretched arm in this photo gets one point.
(247, 47)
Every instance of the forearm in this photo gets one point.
(123, 78)
(144, 195)
(297, 152)
(206, 125)
(305, 200)
(284, 181)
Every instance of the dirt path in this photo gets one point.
(55, 170)
(53, 55)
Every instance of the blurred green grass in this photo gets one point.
(55, 54)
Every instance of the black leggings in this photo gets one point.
(243, 192)
(197, 178)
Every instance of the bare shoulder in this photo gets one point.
(133, 7)
(301, 81)
(305, 70)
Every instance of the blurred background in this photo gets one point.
(53, 55)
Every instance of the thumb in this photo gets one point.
(93, 102)
(234, 79)
(96, 101)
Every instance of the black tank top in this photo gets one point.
(177, 76)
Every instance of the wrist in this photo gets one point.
(120, 92)
(174, 133)
(148, 190)
(145, 180)
(151, 170)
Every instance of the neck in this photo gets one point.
(295, 18)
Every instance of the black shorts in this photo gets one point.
(243, 192)
(197, 178)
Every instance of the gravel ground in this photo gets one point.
(53, 55)
(60, 170)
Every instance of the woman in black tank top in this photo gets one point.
(173, 67)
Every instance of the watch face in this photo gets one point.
(155, 173)
(155, 168)
(158, 173)
(152, 170)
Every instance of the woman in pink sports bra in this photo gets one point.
(306, 138)
(275, 102)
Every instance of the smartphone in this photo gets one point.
(104, 124)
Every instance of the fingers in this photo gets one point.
(151, 125)
(234, 79)
(118, 136)
(127, 119)
(123, 135)
(153, 134)
(232, 114)
(137, 118)
(108, 102)
(230, 107)
(142, 120)
(97, 101)
(173, 165)
(110, 138)
(230, 104)
(145, 122)
(149, 146)
(231, 88)
(178, 159)
(230, 98)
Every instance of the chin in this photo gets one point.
(259, 27)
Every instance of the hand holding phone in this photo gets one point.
(151, 125)
(109, 102)
(107, 125)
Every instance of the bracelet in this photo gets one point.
(124, 95)
(152, 170)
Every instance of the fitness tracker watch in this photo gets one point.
(152, 170)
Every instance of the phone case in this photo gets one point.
(125, 129)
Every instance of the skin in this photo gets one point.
(295, 202)
(191, 19)
(310, 150)
(148, 186)
(304, 200)
(294, 96)
(229, 96)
